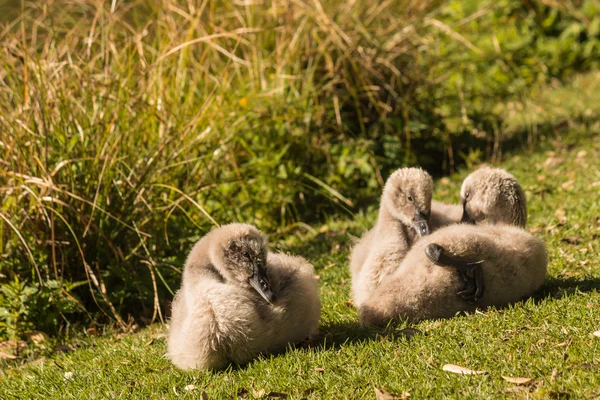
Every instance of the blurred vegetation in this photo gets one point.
(128, 129)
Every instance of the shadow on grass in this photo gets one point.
(557, 287)
(336, 335)
(314, 246)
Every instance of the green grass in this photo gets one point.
(548, 338)
(130, 128)
(126, 129)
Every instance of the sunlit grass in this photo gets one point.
(128, 129)
(549, 338)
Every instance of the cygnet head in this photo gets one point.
(407, 197)
(241, 256)
(495, 196)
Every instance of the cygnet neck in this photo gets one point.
(389, 227)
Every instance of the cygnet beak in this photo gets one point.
(260, 283)
(420, 224)
(466, 218)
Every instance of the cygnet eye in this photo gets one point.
(409, 197)
(467, 196)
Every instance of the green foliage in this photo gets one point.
(548, 339)
(129, 129)
(25, 307)
(13, 298)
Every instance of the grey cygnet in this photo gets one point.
(514, 264)
(487, 195)
(403, 218)
(238, 300)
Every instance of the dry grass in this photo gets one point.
(130, 128)
(122, 122)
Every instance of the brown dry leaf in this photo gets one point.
(92, 331)
(581, 153)
(381, 394)
(562, 344)
(551, 228)
(553, 162)
(597, 183)
(561, 216)
(597, 333)
(6, 356)
(517, 381)
(535, 230)
(203, 395)
(258, 393)
(445, 180)
(541, 178)
(568, 184)
(514, 389)
(457, 369)
(191, 388)
(319, 370)
(12, 344)
(36, 337)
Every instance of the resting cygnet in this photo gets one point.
(488, 194)
(238, 300)
(403, 218)
(513, 262)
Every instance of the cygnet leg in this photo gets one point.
(473, 278)
(469, 270)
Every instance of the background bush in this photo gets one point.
(128, 129)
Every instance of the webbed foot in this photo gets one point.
(469, 270)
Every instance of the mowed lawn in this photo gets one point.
(549, 339)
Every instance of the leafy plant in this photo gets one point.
(25, 307)
(131, 128)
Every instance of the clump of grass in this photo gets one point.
(130, 129)
(548, 339)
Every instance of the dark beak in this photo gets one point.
(466, 218)
(260, 283)
(421, 224)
